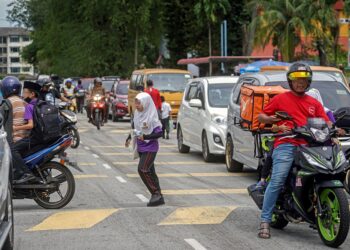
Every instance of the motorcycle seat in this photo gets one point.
(37, 148)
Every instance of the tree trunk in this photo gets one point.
(249, 45)
(321, 53)
(136, 48)
(209, 37)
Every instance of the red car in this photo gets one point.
(119, 100)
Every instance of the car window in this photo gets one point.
(334, 94)
(192, 91)
(200, 93)
(169, 82)
(139, 82)
(219, 95)
(133, 81)
(122, 89)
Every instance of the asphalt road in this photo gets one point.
(206, 207)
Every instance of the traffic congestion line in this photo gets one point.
(205, 191)
(198, 215)
(120, 179)
(195, 244)
(80, 219)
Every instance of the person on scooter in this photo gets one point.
(49, 93)
(98, 89)
(12, 110)
(300, 107)
(69, 92)
(30, 95)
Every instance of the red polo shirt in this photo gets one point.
(154, 93)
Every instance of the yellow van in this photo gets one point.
(330, 70)
(171, 84)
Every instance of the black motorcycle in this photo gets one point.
(69, 125)
(314, 190)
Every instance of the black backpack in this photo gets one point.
(47, 122)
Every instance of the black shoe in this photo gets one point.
(25, 178)
(90, 120)
(167, 137)
(156, 200)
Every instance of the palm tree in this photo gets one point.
(207, 12)
(281, 22)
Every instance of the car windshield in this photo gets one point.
(169, 82)
(219, 94)
(334, 94)
(122, 89)
(336, 74)
(107, 85)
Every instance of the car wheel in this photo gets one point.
(207, 156)
(182, 148)
(231, 164)
(9, 242)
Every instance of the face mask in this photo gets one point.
(28, 100)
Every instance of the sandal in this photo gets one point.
(264, 230)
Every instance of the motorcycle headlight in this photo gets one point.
(97, 98)
(218, 119)
(320, 135)
(312, 161)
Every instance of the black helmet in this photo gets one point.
(10, 85)
(299, 70)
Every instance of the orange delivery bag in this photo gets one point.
(253, 101)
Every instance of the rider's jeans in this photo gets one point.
(282, 158)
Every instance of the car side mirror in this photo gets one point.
(195, 103)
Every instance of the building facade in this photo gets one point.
(12, 42)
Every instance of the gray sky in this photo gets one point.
(3, 13)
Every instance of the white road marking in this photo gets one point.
(142, 197)
(120, 179)
(106, 166)
(86, 148)
(95, 155)
(195, 244)
(81, 142)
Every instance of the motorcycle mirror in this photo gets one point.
(283, 115)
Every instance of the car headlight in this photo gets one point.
(218, 119)
(320, 135)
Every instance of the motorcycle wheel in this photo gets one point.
(278, 221)
(347, 182)
(76, 137)
(98, 120)
(333, 220)
(55, 172)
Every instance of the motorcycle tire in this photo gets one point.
(278, 221)
(335, 214)
(347, 182)
(43, 196)
(76, 137)
(98, 120)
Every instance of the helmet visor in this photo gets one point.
(299, 74)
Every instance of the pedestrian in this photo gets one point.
(154, 93)
(147, 130)
(80, 94)
(166, 113)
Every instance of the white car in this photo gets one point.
(201, 123)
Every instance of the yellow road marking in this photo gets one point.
(219, 174)
(205, 191)
(162, 163)
(73, 219)
(85, 176)
(87, 163)
(161, 153)
(82, 130)
(198, 215)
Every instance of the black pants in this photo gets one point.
(18, 150)
(166, 127)
(80, 104)
(147, 172)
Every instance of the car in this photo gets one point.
(201, 123)
(240, 141)
(119, 100)
(6, 209)
(113, 78)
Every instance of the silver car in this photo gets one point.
(240, 142)
(202, 116)
(6, 209)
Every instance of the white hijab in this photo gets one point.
(147, 120)
(315, 93)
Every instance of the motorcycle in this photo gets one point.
(314, 190)
(72, 104)
(69, 126)
(56, 185)
(98, 105)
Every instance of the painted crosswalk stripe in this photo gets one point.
(195, 244)
(198, 215)
(87, 163)
(216, 174)
(86, 176)
(205, 191)
(142, 197)
(120, 179)
(106, 166)
(86, 148)
(80, 219)
(95, 156)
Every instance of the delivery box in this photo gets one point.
(253, 100)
